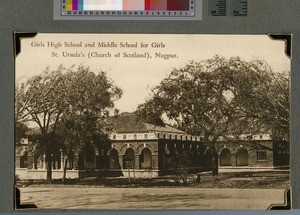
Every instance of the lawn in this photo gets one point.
(245, 180)
(234, 180)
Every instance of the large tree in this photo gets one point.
(218, 98)
(85, 120)
(40, 100)
(45, 98)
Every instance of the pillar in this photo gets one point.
(137, 161)
(18, 162)
(33, 161)
(233, 159)
(95, 162)
(30, 163)
(62, 161)
(219, 159)
(44, 161)
(121, 161)
(41, 164)
(154, 158)
(76, 161)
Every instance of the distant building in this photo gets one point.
(252, 152)
(144, 150)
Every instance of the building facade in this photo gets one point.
(144, 150)
(253, 152)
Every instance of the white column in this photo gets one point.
(33, 161)
(44, 162)
(61, 160)
(41, 164)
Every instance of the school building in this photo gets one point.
(139, 149)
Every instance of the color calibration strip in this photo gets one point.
(129, 7)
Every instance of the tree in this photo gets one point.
(39, 100)
(218, 98)
(44, 99)
(85, 121)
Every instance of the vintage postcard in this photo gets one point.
(152, 121)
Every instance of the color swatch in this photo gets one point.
(127, 5)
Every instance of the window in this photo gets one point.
(124, 136)
(114, 136)
(261, 155)
(146, 136)
(135, 136)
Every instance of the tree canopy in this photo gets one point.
(222, 97)
(66, 104)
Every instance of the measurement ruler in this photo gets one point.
(239, 7)
(217, 7)
(129, 8)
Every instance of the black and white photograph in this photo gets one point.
(152, 121)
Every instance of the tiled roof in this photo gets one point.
(130, 123)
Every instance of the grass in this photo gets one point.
(262, 180)
(237, 180)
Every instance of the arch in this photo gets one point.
(141, 147)
(114, 159)
(237, 147)
(125, 147)
(145, 159)
(225, 157)
(116, 147)
(128, 159)
(242, 157)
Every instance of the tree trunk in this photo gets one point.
(214, 154)
(48, 159)
(65, 170)
(215, 162)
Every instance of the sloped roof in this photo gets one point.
(130, 123)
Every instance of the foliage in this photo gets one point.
(180, 164)
(66, 104)
(90, 99)
(21, 130)
(221, 97)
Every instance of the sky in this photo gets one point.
(136, 76)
